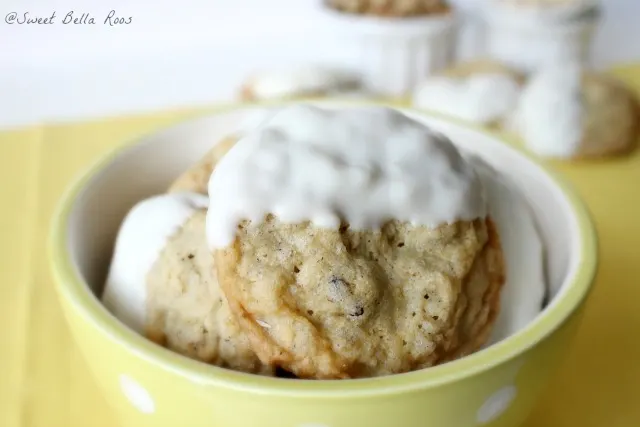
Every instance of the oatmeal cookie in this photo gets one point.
(187, 312)
(611, 124)
(196, 177)
(305, 82)
(567, 112)
(390, 8)
(484, 92)
(326, 303)
(467, 69)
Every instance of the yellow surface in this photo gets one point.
(45, 382)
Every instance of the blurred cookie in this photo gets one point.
(348, 304)
(467, 69)
(300, 83)
(196, 177)
(162, 283)
(390, 8)
(482, 92)
(567, 112)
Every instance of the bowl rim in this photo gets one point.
(76, 294)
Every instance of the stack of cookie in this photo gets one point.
(563, 110)
(299, 252)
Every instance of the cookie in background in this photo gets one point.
(482, 92)
(569, 112)
(302, 82)
(392, 8)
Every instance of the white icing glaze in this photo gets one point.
(363, 165)
(480, 98)
(550, 111)
(300, 82)
(525, 287)
(141, 238)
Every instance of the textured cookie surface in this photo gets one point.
(328, 303)
(186, 310)
(611, 124)
(481, 66)
(296, 83)
(390, 8)
(195, 178)
(567, 112)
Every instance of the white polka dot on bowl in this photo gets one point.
(137, 395)
(496, 404)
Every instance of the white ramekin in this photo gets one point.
(395, 54)
(528, 38)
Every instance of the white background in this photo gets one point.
(185, 53)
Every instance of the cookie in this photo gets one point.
(143, 234)
(567, 112)
(467, 69)
(483, 92)
(390, 8)
(298, 83)
(196, 177)
(187, 311)
(353, 243)
(162, 283)
(348, 304)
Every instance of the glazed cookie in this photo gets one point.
(354, 243)
(195, 179)
(567, 112)
(301, 83)
(483, 92)
(390, 8)
(347, 304)
(463, 70)
(162, 283)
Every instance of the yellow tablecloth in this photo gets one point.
(45, 383)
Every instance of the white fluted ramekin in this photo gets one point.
(395, 54)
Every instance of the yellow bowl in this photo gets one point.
(148, 385)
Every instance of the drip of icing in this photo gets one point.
(305, 81)
(481, 98)
(551, 111)
(141, 238)
(362, 165)
(525, 288)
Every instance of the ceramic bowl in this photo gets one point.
(149, 386)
